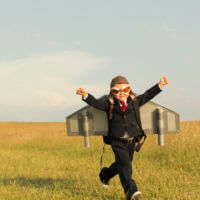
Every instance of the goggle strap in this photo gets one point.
(115, 88)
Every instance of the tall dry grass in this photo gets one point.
(38, 161)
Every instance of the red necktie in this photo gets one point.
(123, 105)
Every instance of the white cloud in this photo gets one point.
(170, 31)
(52, 44)
(77, 43)
(42, 38)
(48, 80)
(37, 35)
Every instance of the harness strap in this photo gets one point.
(101, 160)
(111, 100)
(139, 144)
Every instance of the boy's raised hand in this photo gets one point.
(81, 91)
(163, 81)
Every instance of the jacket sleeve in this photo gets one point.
(98, 104)
(148, 95)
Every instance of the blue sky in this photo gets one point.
(50, 48)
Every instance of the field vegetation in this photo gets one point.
(39, 161)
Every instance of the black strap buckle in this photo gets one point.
(140, 143)
(130, 141)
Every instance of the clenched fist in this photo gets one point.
(163, 81)
(81, 91)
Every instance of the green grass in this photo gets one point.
(38, 161)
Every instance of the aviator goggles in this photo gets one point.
(125, 89)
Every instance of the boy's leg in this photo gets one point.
(107, 173)
(124, 156)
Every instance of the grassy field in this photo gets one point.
(38, 161)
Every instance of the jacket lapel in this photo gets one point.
(129, 106)
(117, 107)
(134, 106)
(137, 114)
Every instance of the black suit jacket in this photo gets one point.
(128, 120)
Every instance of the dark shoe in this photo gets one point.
(103, 180)
(134, 196)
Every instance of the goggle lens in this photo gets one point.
(126, 90)
(116, 91)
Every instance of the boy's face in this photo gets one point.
(121, 91)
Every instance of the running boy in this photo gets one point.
(125, 129)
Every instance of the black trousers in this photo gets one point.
(122, 165)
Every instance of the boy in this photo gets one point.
(125, 129)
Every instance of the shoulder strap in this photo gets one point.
(111, 100)
(101, 160)
(144, 136)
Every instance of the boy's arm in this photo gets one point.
(89, 99)
(99, 104)
(148, 95)
(152, 92)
